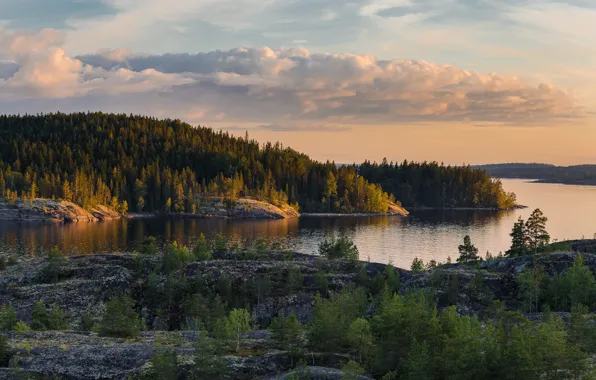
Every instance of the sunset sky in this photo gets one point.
(458, 81)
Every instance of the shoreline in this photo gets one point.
(357, 214)
(425, 208)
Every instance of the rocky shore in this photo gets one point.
(49, 210)
(89, 281)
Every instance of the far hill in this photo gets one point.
(576, 174)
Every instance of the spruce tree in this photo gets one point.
(535, 231)
(518, 240)
(467, 252)
(120, 319)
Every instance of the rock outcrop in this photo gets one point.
(87, 282)
(49, 210)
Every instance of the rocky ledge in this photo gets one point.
(87, 282)
(49, 210)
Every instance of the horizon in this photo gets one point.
(461, 82)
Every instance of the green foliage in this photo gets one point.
(576, 286)
(467, 251)
(53, 271)
(332, 319)
(87, 322)
(360, 339)
(202, 251)
(352, 370)
(530, 236)
(42, 319)
(221, 243)
(8, 318)
(261, 246)
(294, 278)
(21, 327)
(321, 282)
(5, 351)
(518, 240)
(288, 331)
(434, 185)
(419, 362)
(208, 364)
(417, 265)
(342, 248)
(176, 257)
(149, 246)
(530, 288)
(3, 263)
(535, 231)
(164, 366)
(120, 318)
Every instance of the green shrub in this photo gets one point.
(3, 263)
(208, 364)
(148, 246)
(8, 318)
(221, 243)
(202, 251)
(342, 248)
(294, 278)
(261, 246)
(417, 265)
(120, 319)
(87, 322)
(164, 366)
(321, 282)
(21, 327)
(41, 319)
(53, 271)
(176, 257)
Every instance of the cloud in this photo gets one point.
(281, 89)
(37, 66)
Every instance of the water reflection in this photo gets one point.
(424, 234)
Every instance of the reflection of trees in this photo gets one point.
(462, 218)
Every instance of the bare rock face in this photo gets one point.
(49, 210)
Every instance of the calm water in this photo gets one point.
(426, 234)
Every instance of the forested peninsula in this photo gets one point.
(141, 164)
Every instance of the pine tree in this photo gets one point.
(518, 240)
(120, 319)
(535, 231)
(467, 252)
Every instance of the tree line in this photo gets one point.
(431, 184)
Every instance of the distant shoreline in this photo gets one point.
(425, 208)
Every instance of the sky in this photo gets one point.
(454, 81)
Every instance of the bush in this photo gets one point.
(87, 322)
(21, 327)
(221, 244)
(417, 265)
(41, 319)
(201, 251)
(294, 278)
(176, 257)
(120, 319)
(149, 246)
(3, 263)
(342, 248)
(53, 271)
(8, 318)
(208, 364)
(321, 282)
(164, 366)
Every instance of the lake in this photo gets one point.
(425, 234)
